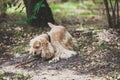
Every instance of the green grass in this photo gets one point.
(13, 76)
(61, 10)
(16, 11)
(73, 9)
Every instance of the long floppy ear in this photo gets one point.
(47, 50)
(36, 44)
(51, 25)
(44, 43)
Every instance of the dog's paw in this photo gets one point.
(54, 60)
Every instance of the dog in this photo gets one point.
(56, 44)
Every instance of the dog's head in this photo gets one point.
(36, 45)
(41, 46)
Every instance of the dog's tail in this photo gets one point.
(51, 25)
(67, 54)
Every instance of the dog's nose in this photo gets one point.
(35, 53)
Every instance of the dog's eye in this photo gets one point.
(46, 43)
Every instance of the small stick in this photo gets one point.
(24, 63)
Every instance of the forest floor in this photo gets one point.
(97, 59)
(98, 52)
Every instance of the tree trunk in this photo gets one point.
(108, 13)
(42, 16)
(112, 10)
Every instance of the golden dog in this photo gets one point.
(58, 43)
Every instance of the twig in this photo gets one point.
(24, 63)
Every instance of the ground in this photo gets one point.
(97, 59)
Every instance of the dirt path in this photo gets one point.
(44, 71)
(64, 74)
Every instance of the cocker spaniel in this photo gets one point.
(56, 44)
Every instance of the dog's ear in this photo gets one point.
(44, 43)
(51, 25)
(36, 44)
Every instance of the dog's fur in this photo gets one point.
(60, 47)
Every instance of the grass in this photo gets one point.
(13, 76)
(73, 9)
(16, 11)
(66, 7)
(62, 10)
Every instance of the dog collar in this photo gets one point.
(49, 39)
